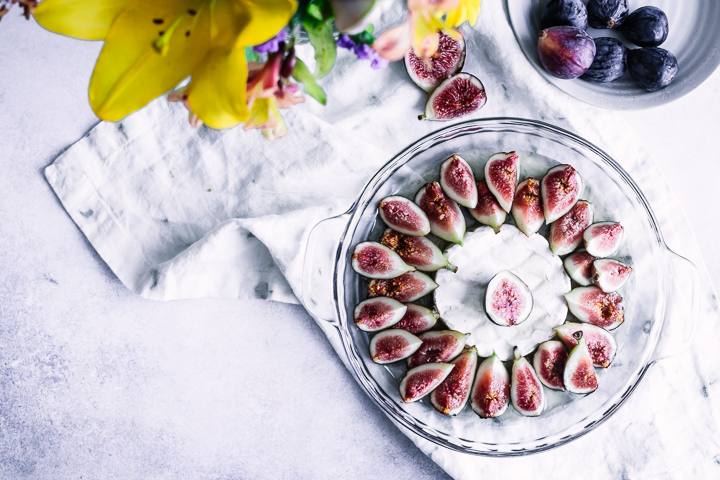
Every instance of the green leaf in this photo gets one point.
(314, 11)
(303, 75)
(321, 38)
(251, 54)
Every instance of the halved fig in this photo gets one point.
(446, 219)
(373, 260)
(549, 362)
(600, 343)
(610, 275)
(420, 381)
(404, 216)
(488, 211)
(603, 239)
(452, 395)
(580, 374)
(579, 267)
(508, 300)
(392, 345)
(491, 391)
(527, 208)
(459, 95)
(561, 188)
(418, 252)
(448, 61)
(526, 391)
(566, 233)
(438, 346)
(418, 319)
(405, 288)
(458, 181)
(592, 305)
(501, 175)
(378, 313)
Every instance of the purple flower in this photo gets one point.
(346, 42)
(363, 51)
(272, 45)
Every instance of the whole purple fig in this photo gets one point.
(565, 52)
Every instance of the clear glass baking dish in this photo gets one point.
(331, 289)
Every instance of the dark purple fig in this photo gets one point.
(501, 175)
(580, 374)
(459, 95)
(392, 345)
(561, 188)
(491, 391)
(448, 61)
(418, 252)
(446, 219)
(610, 61)
(418, 319)
(405, 288)
(527, 208)
(600, 343)
(610, 275)
(526, 391)
(592, 305)
(570, 13)
(579, 267)
(373, 260)
(603, 239)
(404, 216)
(452, 395)
(549, 362)
(607, 13)
(378, 313)
(566, 233)
(438, 346)
(646, 27)
(653, 68)
(508, 300)
(565, 52)
(420, 381)
(488, 211)
(458, 181)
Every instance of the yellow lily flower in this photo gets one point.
(150, 47)
(466, 11)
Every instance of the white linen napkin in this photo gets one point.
(182, 213)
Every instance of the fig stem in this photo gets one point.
(422, 117)
(451, 267)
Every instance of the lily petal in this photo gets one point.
(85, 19)
(394, 42)
(256, 21)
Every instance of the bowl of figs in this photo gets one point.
(500, 287)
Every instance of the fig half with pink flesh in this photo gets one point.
(422, 380)
(508, 300)
(600, 343)
(392, 345)
(491, 391)
(501, 175)
(438, 346)
(455, 97)
(458, 181)
(418, 319)
(603, 239)
(448, 61)
(418, 252)
(374, 260)
(561, 188)
(580, 374)
(527, 208)
(408, 287)
(549, 362)
(452, 395)
(404, 216)
(446, 219)
(592, 305)
(579, 267)
(378, 313)
(526, 391)
(566, 233)
(488, 211)
(610, 275)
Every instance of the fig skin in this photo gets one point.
(393, 345)
(653, 68)
(491, 390)
(565, 52)
(508, 300)
(610, 61)
(458, 181)
(603, 14)
(446, 219)
(404, 216)
(592, 305)
(603, 239)
(527, 210)
(374, 260)
(566, 233)
(438, 346)
(549, 363)
(418, 252)
(560, 189)
(569, 13)
(488, 211)
(600, 343)
(451, 396)
(448, 61)
(417, 319)
(459, 95)
(610, 275)
(526, 391)
(406, 288)
(579, 267)
(421, 380)
(378, 313)
(501, 175)
(646, 27)
(580, 376)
